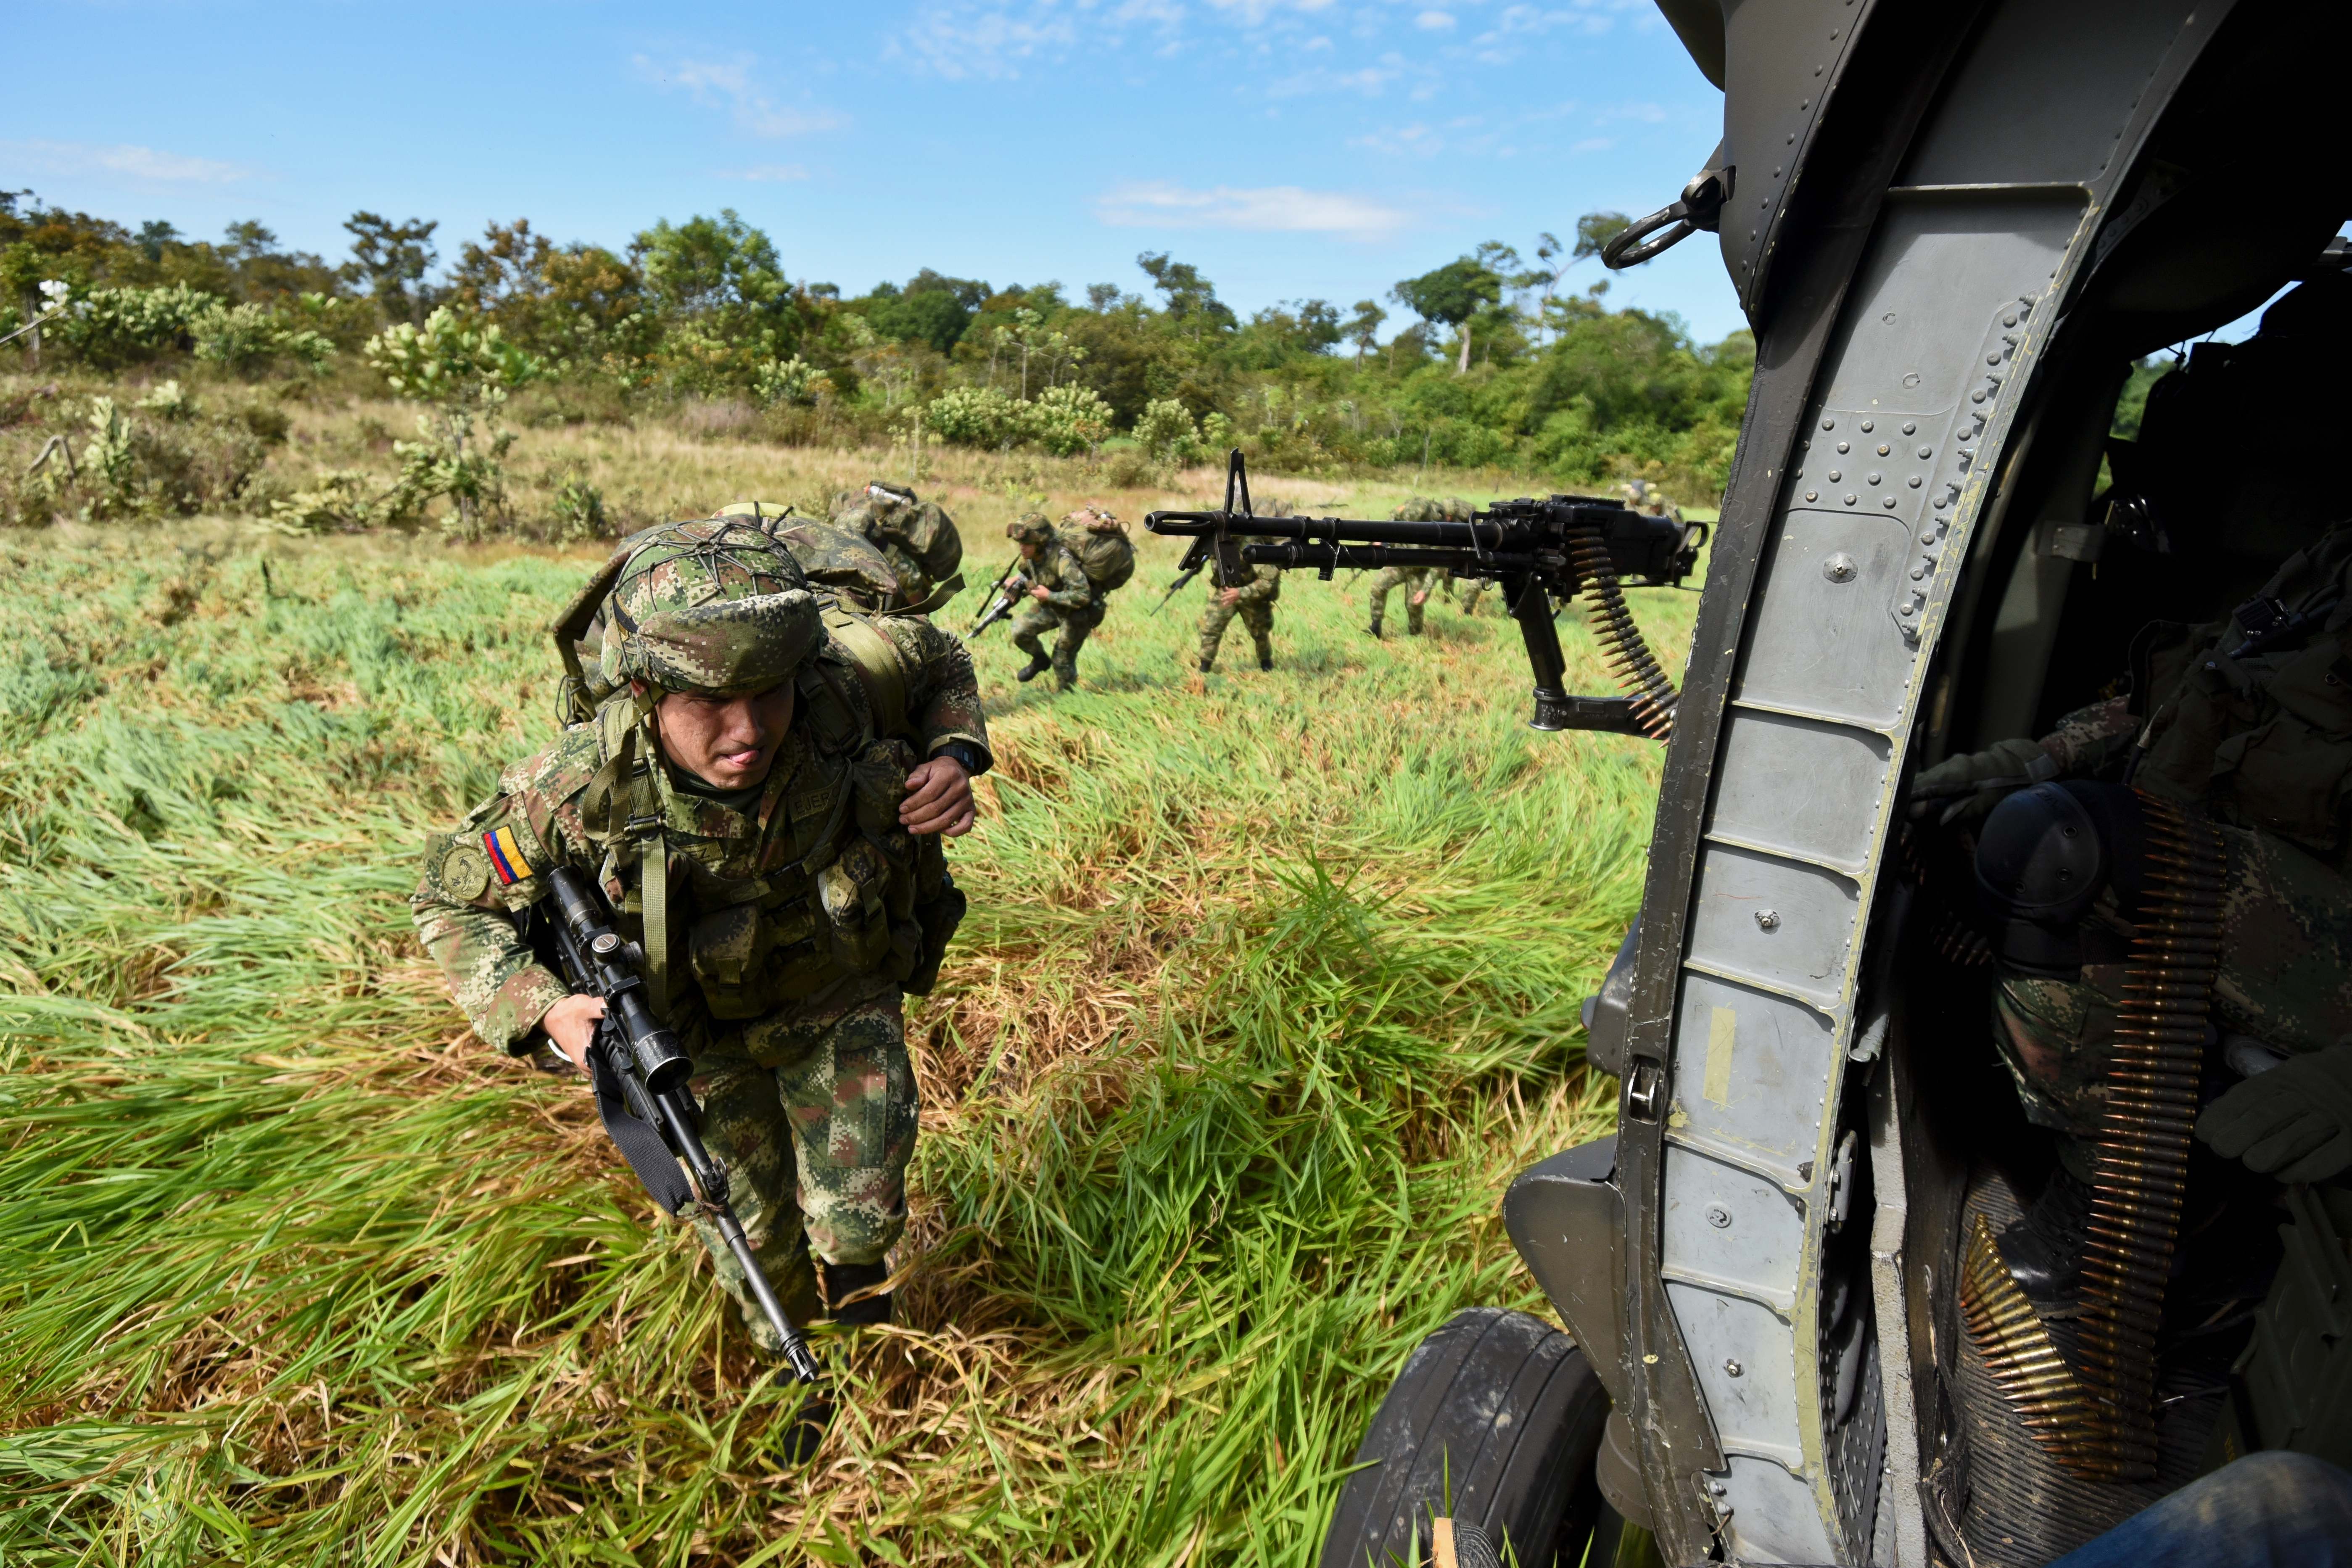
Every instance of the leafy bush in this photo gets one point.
(462, 372)
(1166, 431)
(975, 417)
(111, 328)
(248, 340)
(579, 509)
(340, 501)
(1066, 420)
(790, 381)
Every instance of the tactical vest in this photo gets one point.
(827, 889)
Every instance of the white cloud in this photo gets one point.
(143, 164)
(1641, 113)
(1370, 81)
(1271, 210)
(1594, 144)
(1434, 21)
(767, 172)
(729, 84)
(1417, 140)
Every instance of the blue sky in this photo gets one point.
(1289, 148)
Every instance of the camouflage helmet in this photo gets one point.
(716, 607)
(1034, 528)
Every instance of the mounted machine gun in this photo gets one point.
(1542, 552)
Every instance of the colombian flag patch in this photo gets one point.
(507, 858)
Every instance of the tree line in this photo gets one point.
(1496, 358)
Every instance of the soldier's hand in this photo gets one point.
(939, 799)
(1421, 597)
(1979, 781)
(1037, 592)
(2294, 1122)
(571, 1024)
(1229, 598)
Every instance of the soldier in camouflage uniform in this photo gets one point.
(917, 536)
(763, 801)
(1061, 596)
(1417, 581)
(2258, 738)
(1253, 601)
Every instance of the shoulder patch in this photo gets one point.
(464, 871)
(507, 858)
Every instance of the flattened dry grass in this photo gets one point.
(1270, 983)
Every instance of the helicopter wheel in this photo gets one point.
(1492, 1426)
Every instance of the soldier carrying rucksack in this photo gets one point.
(1070, 571)
(919, 539)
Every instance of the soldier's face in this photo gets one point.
(727, 742)
(1028, 549)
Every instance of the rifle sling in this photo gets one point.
(639, 1142)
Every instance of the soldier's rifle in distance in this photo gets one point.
(640, 1074)
(1003, 595)
(1539, 550)
(1191, 570)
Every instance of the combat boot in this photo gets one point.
(2045, 1247)
(1375, 628)
(1265, 660)
(1207, 665)
(1032, 669)
(842, 1281)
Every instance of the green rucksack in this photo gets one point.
(1102, 547)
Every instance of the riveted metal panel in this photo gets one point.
(1772, 1516)
(1749, 1346)
(1800, 788)
(1731, 1231)
(1749, 1072)
(1774, 923)
(1822, 642)
(2047, 92)
(1782, 62)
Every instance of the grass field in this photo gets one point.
(1270, 983)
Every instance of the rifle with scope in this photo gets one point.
(1542, 551)
(640, 1072)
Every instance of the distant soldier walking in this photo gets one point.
(1252, 601)
(1417, 581)
(1062, 597)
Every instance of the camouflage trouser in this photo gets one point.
(2286, 982)
(1035, 619)
(815, 1115)
(1466, 591)
(1254, 613)
(1415, 579)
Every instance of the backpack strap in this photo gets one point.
(880, 669)
(630, 786)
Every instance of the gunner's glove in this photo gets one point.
(2294, 1122)
(1978, 781)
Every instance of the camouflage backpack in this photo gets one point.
(853, 582)
(1099, 542)
(893, 518)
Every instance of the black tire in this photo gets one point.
(1493, 1422)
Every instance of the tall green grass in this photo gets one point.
(1270, 983)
